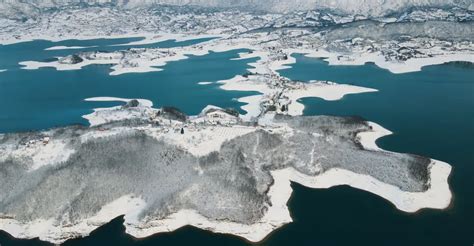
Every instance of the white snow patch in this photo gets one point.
(143, 102)
(69, 47)
(105, 115)
(326, 91)
(205, 83)
(160, 37)
(202, 141)
(41, 152)
(49, 230)
(368, 138)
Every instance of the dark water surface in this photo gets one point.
(431, 113)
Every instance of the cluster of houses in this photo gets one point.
(222, 117)
(41, 140)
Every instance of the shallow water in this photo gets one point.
(431, 113)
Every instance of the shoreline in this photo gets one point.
(360, 59)
(221, 44)
(94, 119)
(149, 37)
(61, 47)
(143, 65)
(144, 102)
(408, 66)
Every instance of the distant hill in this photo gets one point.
(372, 8)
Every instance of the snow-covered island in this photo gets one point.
(163, 170)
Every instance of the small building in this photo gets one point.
(46, 140)
(219, 116)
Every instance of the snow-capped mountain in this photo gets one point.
(362, 7)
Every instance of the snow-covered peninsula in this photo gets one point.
(197, 185)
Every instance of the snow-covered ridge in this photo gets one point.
(361, 7)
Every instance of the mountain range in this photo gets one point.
(371, 8)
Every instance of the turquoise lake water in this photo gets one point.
(431, 113)
(45, 98)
